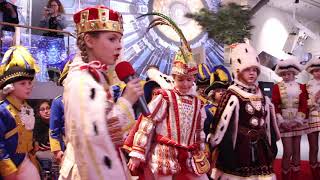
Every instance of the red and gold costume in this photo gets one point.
(313, 89)
(175, 129)
(170, 141)
(290, 100)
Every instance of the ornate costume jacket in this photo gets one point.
(16, 125)
(175, 125)
(245, 134)
(290, 101)
(57, 125)
(93, 124)
(313, 87)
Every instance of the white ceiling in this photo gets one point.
(309, 9)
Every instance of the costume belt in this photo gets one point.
(254, 135)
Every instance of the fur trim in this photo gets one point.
(271, 118)
(313, 64)
(290, 64)
(165, 81)
(243, 56)
(232, 107)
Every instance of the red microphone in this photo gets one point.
(126, 73)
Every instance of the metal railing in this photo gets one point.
(17, 32)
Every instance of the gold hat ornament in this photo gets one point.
(17, 64)
(183, 62)
(99, 18)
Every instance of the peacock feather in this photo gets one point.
(165, 20)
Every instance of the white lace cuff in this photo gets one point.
(137, 155)
(27, 117)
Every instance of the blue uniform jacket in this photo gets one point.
(56, 126)
(15, 140)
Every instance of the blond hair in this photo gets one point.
(82, 44)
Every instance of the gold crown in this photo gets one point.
(98, 18)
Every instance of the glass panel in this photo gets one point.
(48, 51)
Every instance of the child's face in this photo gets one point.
(316, 74)
(287, 76)
(183, 83)
(22, 89)
(218, 94)
(249, 75)
(105, 47)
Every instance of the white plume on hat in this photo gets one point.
(289, 64)
(243, 56)
(313, 64)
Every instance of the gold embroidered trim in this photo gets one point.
(14, 75)
(24, 136)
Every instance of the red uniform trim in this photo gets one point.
(194, 119)
(176, 113)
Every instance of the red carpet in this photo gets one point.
(305, 170)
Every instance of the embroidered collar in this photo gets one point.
(191, 92)
(250, 89)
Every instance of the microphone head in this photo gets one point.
(124, 69)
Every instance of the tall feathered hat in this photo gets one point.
(203, 75)
(99, 18)
(17, 64)
(313, 64)
(289, 64)
(183, 63)
(220, 78)
(243, 56)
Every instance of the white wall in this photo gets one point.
(272, 27)
(311, 45)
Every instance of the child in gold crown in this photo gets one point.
(93, 121)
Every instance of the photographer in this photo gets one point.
(8, 13)
(53, 18)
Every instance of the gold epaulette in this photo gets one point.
(24, 143)
(205, 101)
(58, 97)
(54, 143)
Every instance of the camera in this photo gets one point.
(49, 10)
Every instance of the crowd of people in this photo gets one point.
(203, 124)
